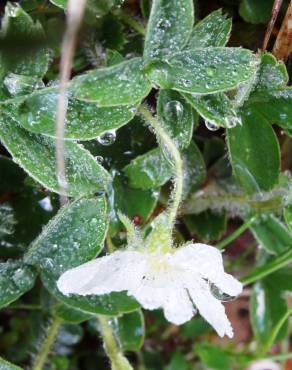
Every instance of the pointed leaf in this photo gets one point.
(121, 84)
(272, 73)
(84, 121)
(5, 365)
(204, 71)
(15, 279)
(169, 27)
(214, 30)
(36, 155)
(73, 237)
(250, 145)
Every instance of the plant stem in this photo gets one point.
(178, 163)
(22, 306)
(236, 233)
(265, 270)
(44, 351)
(118, 360)
(130, 21)
(275, 331)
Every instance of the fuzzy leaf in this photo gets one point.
(36, 155)
(121, 84)
(217, 110)
(204, 71)
(73, 237)
(169, 27)
(214, 30)
(15, 279)
(272, 73)
(177, 117)
(249, 147)
(5, 365)
(84, 121)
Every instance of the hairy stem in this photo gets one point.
(74, 17)
(44, 351)
(118, 360)
(130, 21)
(177, 161)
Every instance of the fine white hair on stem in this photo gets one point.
(75, 13)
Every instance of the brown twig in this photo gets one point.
(283, 45)
(275, 11)
(74, 18)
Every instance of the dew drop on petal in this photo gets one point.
(218, 294)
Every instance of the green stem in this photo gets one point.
(118, 360)
(177, 161)
(275, 332)
(280, 357)
(267, 269)
(130, 21)
(44, 351)
(236, 233)
(22, 306)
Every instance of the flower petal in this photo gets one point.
(209, 307)
(208, 262)
(122, 270)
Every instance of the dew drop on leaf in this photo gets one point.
(107, 138)
(211, 126)
(173, 111)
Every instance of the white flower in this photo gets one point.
(178, 281)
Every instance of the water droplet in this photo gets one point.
(217, 293)
(173, 111)
(210, 71)
(211, 126)
(107, 138)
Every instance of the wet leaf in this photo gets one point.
(36, 155)
(121, 84)
(5, 365)
(249, 145)
(15, 279)
(176, 116)
(217, 110)
(169, 27)
(70, 314)
(204, 71)
(214, 30)
(74, 236)
(129, 330)
(84, 120)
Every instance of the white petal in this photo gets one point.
(116, 272)
(178, 308)
(209, 307)
(208, 262)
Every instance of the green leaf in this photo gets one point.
(149, 170)
(178, 361)
(256, 11)
(15, 279)
(206, 225)
(250, 145)
(177, 117)
(217, 110)
(214, 30)
(274, 105)
(113, 57)
(288, 217)
(36, 155)
(134, 203)
(204, 71)
(169, 27)
(98, 7)
(152, 169)
(84, 121)
(22, 52)
(267, 308)
(70, 314)
(129, 330)
(73, 237)
(5, 365)
(121, 84)
(271, 234)
(213, 357)
(272, 73)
